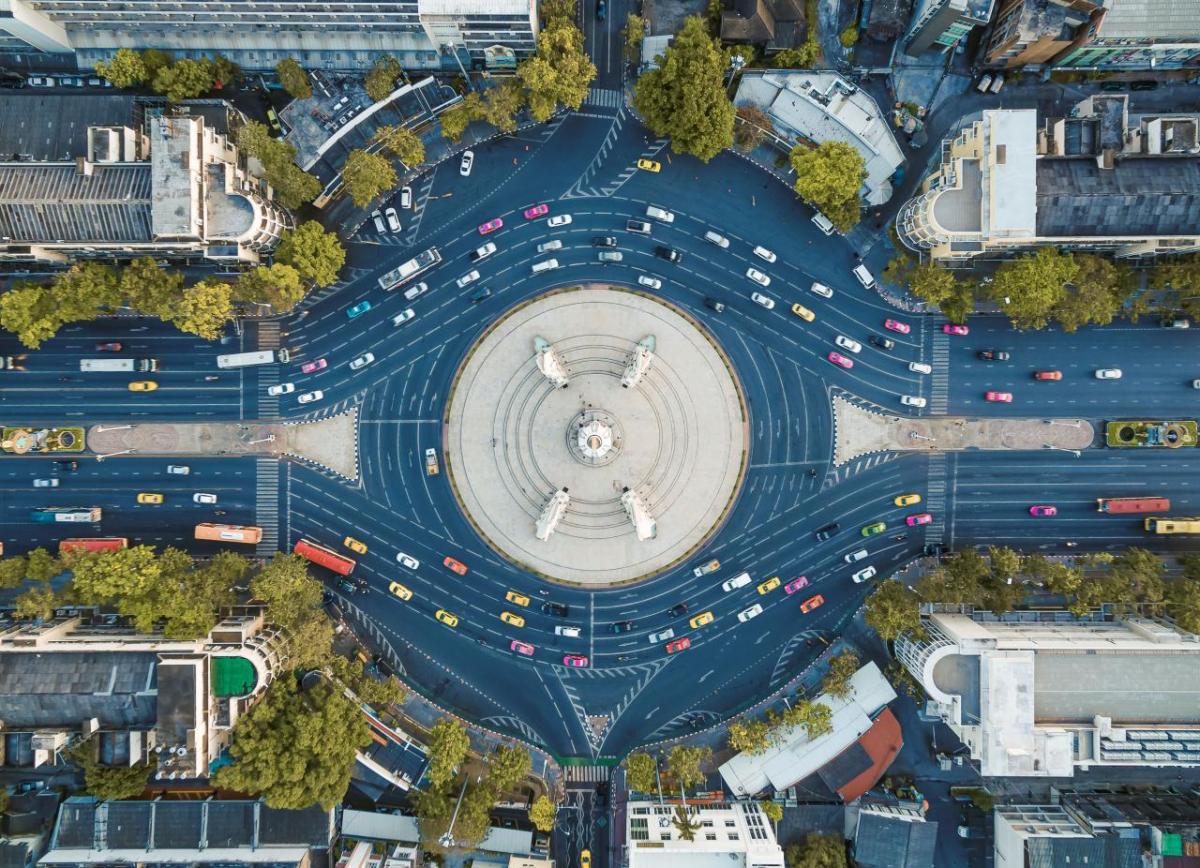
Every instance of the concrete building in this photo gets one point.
(1041, 694)
(1140, 34)
(1036, 32)
(425, 34)
(1101, 179)
(892, 836)
(733, 833)
(941, 24)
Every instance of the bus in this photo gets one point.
(1132, 504)
(229, 532)
(246, 360)
(324, 557)
(59, 513)
(92, 544)
(406, 271)
(1185, 524)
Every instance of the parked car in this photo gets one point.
(406, 198)
(393, 219)
(649, 165)
(467, 163)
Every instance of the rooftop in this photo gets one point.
(1139, 197)
(66, 688)
(1011, 163)
(52, 126)
(1150, 19)
(894, 840)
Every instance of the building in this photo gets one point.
(1040, 694)
(732, 833)
(138, 698)
(426, 34)
(378, 840)
(1140, 34)
(891, 836)
(941, 24)
(815, 107)
(1101, 179)
(769, 26)
(1036, 32)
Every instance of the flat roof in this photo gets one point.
(53, 126)
(1129, 688)
(1011, 161)
(1149, 19)
(66, 688)
(46, 202)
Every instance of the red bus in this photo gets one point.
(93, 544)
(229, 532)
(1132, 504)
(324, 557)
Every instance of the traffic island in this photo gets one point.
(860, 431)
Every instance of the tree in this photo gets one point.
(849, 37)
(685, 765)
(837, 680)
(1137, 577)
(277, 284)
(556, 11)
(1183, 595)
(125, 69)
(828, 177)
(750, 734)
(507, 767)
(1057, 577)
(366, 175)
(293, 78)
(203, 309)
(39, 602)
(434, 807)
(292, 185)
(296, 747)
(816, 851)
(772, 810)
(685, 824)
(404, 143)
(381, 78)
(1030, 287)
(455, 121)
(474, 817)
(41, 566)
(501, 104)
(801, 57)
(959, 580)
(560, 72)
(12, 571)
(35, 312)
(815, 717)
(892, 609)
(684, 98)
(635, 32)
(108, 782)
(150, 289)
(184, 79)
(752, 129)
(316, 254)
(542, 813)
(1180, 277)
(154, 59)
(1099, 291)
(640, 772)
(224, 71)
(293, 598)
(448, 744)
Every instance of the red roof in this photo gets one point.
(881, 742)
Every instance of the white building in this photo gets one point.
(729, 834)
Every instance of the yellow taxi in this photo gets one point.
(447, 618)
(702, 619)
(650, 165)
(149, 497)
(511, 619)
(400, 591)
(585, 859)
(517, 599)
(803, 312)
(143, 386)
(769, 585)
(907, 499)
(355, 545)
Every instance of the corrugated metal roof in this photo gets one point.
(54, 202)
(1146, 19)
(1140, 198)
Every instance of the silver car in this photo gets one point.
(281, 389)
(45, 483)
(610, 256)
(309, 397)
(758, 277)
(362, 361)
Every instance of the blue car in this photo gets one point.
(358, 309)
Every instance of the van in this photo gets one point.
(567, 630)
(864, 276)
(823, 223)
(984, 83)
(548, 265)
(716, 238)
(856, 556)
(920, 367)
(997, 83)
(549, 245)
(660, 214)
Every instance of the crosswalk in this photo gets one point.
(940, 395)
(268, 335)
(935, 498)
(266, 505)
(604, 97)
(587, 774)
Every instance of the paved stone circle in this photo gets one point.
(679, 437)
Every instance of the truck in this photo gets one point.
(12, 363)
(118, 365)
(246, 360)
(431, 462)
(406, 271)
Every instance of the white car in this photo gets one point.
(738, 581)
(753, 612)
(281, 389)
(362, 361)
(467, 279)
(647, 280)
(610, 256)
(856, 556)
(765, 300)
(309, 397)
(404, 316)
(863, 574)
(559, 220)
(178, 469)
(758, 277)
(1108, 374)
(407, 561)
(483, 252)
(380, 226)
(406, 197)
(822, 290)
(847, 344)
(666, 634)
(763, 253)
(468, 161)
(547, 246)
(414, 291)
(45, 483)
(393, 219)
(920, 367)
(912, 401)
(202, 497)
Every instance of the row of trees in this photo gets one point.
(176, 79)
(685, 769)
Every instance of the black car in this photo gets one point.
(714, 305)
(677, 610)
(623, 626)
(559, 610)
(882, 342)
(604, 241)
(70, 464)
(993, 355)
(1143, 84)
(668, 254)
(824, 533)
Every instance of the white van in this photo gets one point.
(920, 367)
(823, 223)
(549, 245)
(855, 556)
(660, 214)
(716, 238)
(567, 630)
(984, 83)
(997, 83)
(548, 265)
(864, 276)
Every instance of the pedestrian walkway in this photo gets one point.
(940, 396)
(935, 498)
(266, 505)
(606, 98)
(587, 774)
(268, 335)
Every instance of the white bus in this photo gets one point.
(406, 271)
(245, 360)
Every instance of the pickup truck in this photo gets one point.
(94, 365)
(431, 462)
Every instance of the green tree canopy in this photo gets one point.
(318, 255)
(41, 566)
(404, 143)
(108, 782)
(1100, 289)
(816, 851)
(1183, 595)
(448, 743)
(278, 285)
(752, 129)
(184, 79)
(293, 78)
(640, 770)
(892, 609)
(204, 308)
(12, 571)
(541, 814)
(750, 734)
(154, 59)
(292, 185)
(685, 765)
(841, 668)
(125, 69)
(635, 32)
(366, 175)
(455, 121)
(38, 602)
(560, 72)
(293, 599)
(381, 78)
(772, 810)
(502, 103)
(1030, 287)
(150, 289)
(507, 767)
(828, 177)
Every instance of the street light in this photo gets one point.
(915, 436)
(113, 454)
(270, 438)
(100, 429)
(1074, 452)
(447, 839)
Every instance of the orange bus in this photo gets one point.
(92, 544)
(324, 557)
(229, 532)
(1132, 504)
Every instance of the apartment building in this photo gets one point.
(1036, 32)
(668, 836)
(941, 24)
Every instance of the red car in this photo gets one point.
(490, 226)
(1047, 375)
(576, 660)
(681, 644)
(960, 330)
(455, 565)
(897, 326)
(839, 359)
(811, 603)
(1043, 511)
(918, 518)
(112, 347)
(521, 647)
(536, 211)
(313, 367)
(998, 397)
(795, 584)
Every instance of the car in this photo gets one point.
(399, 590)
(839, 359)
(578, 661)
(143, 386)
(521, 647)
(467, 163)
(855, 556)
(918, 519)
(758, 277)
(1047, 375)
(661, 636)
(863, 574)
(281, 389)
(677, 610)
(512, 620)
(920, 367)
(811, 603)
(454, 565)
(960, 330)
(416, 291)
(681, 644)
(623, 626)
(714, 305)
(795, 585)
(147, 497)
(706, 568)
(641, 227)
(483, 251)
(1112, 86)
(362, 361)
(992, 356)
(649, 165)
(377, 219)
(491, 226)
(600, 10)
(827, 531)
(701, 619)
(406, 197)
(393, 219)
(558, 610)
(1043, 511)
(907, 499)
(895, 325)
(821, 290)
(998, 397)
(349, 587)
(204, 497)
(752, 612)
(358, 309)
(738, 581)
(769, 585)
(647, 280)
(847, 344)
(604, 241)
(109, 347)
(447, 618)
(50, 483)
(467, 279)
(178, 469)
(314, 366)
(517, 599)
(355, 545)
(803, 312)
(559, 220)
(912, 401)
(536, 211)
(764, 254)
(873, 528)
(763, 300)
(547, 246)
(404, 316)
(1143, 84)
(668, 253)
(610, 256)
(310, 397)
(1108, 374)
(883, 343)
